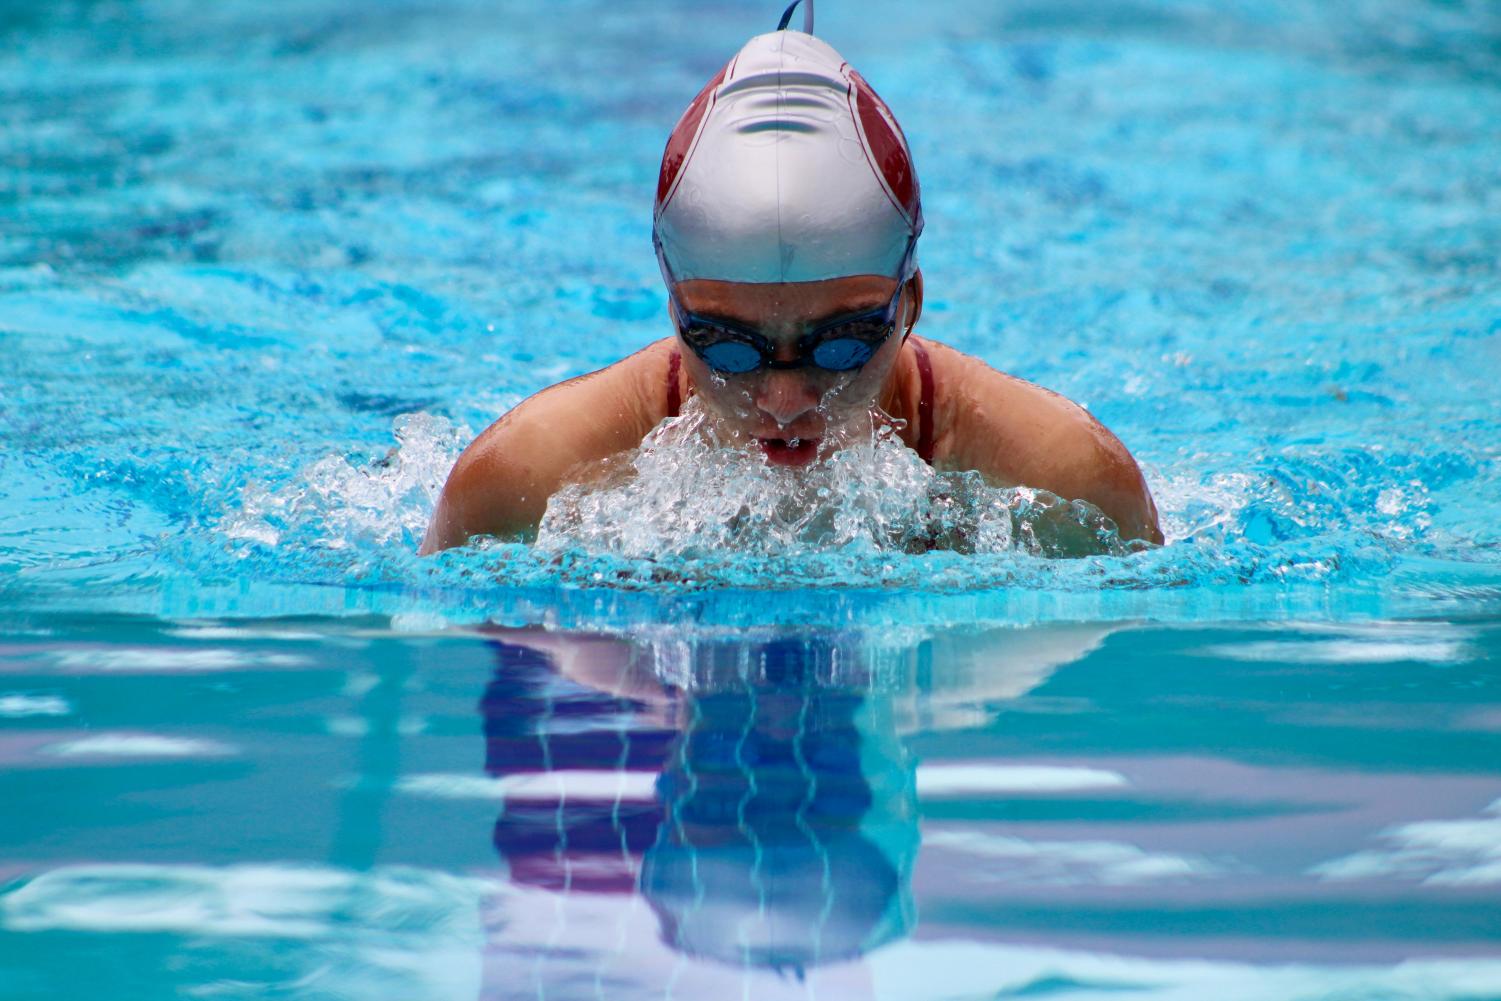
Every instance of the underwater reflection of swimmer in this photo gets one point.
(791, 821)
(562, 827)
(755, 793)
(783, 825)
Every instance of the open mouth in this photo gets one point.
(789, 451)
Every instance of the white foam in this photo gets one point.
(949, 780)
(419, 622)
(910, 968)
(18, 705)
(553, 786)
(1342, 652)
(346, 726)
(1463, 852)
(138, 745)
(1014, 860)
(193, 632)
(170, 660)
(390, 932)
(339, 502)
(1373, 643)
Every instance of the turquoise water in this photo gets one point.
(265, 270)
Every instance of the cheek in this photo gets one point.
(862, 389)
(721, 395)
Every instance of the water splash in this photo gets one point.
(695, 496)
(694, 508)
(338, 504)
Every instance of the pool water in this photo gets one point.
(264, 270)
(322, 808)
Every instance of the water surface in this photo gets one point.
(264, 271)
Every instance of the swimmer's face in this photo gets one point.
(792, 411)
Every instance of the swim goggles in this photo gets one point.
(839, 345)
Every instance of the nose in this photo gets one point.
(785, 395)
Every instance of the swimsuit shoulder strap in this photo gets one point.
(924, 402)
(674, 395)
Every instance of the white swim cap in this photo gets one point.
(786, 168)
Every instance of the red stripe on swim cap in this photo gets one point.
(680, 143)
(888, 147)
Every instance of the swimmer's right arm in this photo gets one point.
(501, 484)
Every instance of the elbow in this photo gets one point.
(439, 534)
(446, 528)
(1142, 523)
(1130, 502)
(484, 495)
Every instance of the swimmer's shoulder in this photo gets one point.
(501, 483)
(614, 405)
(1015, 432)
(971, 396)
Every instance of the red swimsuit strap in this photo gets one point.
(674, 395)
(924, 402)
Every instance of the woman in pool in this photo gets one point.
(786, 226)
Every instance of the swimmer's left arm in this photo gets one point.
(1017, 433)
(500, 485)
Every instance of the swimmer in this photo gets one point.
(786, 225)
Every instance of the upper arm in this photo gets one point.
(1016, 433)
(501, 483)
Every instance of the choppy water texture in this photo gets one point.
(242, 246)
(265, 269)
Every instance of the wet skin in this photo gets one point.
(1011, 431)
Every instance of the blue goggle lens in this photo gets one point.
(842, 354)
(731, 356)
(845, 346)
